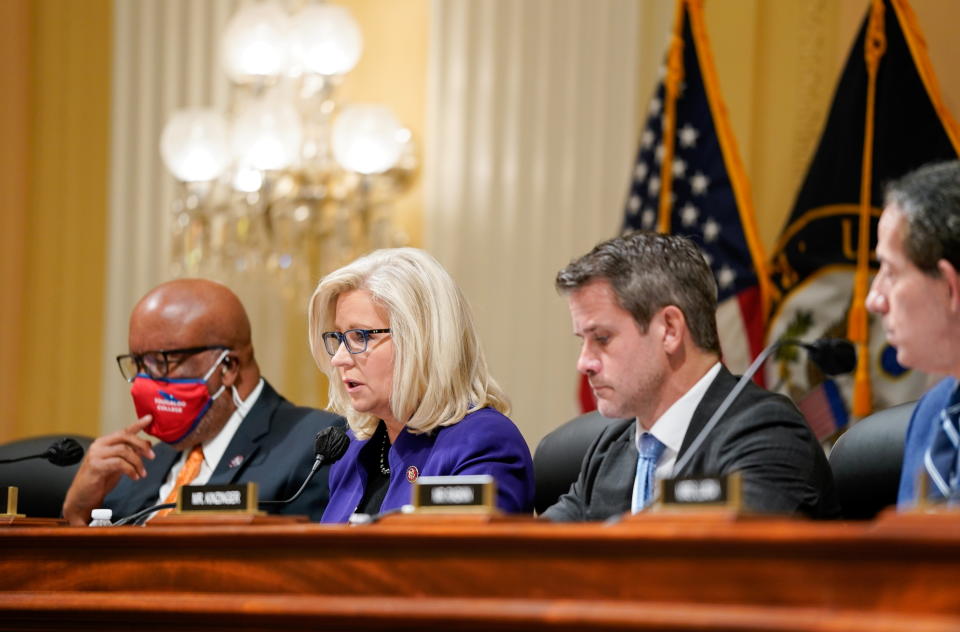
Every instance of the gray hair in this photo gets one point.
(649, 271)
(440, 373)
(929, 199)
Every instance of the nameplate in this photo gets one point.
(218, 499)
(455, 494)
(8, 501)
(704, 492)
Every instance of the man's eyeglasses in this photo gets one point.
(157, 364)
(354, 339)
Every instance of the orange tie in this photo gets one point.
(187, 473)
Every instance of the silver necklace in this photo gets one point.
(384, 464)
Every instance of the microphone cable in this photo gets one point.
(329, 445)
(831, 354)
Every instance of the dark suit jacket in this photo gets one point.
(923, 428)
(763, 436)
(273, 447)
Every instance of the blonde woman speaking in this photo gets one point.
(397, 339)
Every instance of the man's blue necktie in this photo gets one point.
(650, 451)
(941, 457)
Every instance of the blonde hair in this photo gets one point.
(439, 372)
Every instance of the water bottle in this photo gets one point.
(101, 518)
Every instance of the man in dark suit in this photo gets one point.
(197, 387)
(644, 307)
(916, 292)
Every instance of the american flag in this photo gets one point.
(824, 409)
(709, 196)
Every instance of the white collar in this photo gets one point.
(214, 448)
(671, 426)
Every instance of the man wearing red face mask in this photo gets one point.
(197, 388)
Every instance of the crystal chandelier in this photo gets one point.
(288, 182)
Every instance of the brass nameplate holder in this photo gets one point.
(701, 493)
(218, 499)
(8, 500)
(455, 494)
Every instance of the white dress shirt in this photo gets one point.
(672, 425)
(213, 448)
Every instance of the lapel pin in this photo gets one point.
(235, 461)
(412, 473)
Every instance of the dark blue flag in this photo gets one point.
(887, 118)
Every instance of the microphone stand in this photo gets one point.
(64, 452)
(316, 466)
(816, 354)
(329, 444)
(135, 518)
(22, 458)
(725, 405)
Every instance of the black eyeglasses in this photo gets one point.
(354, 339)
(157, 364)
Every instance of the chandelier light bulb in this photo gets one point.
(274, 181)
(366, 139)
(325, 40)
(254, 44)
(267, 135)
(194, 145)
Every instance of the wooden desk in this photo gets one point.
(651, 573)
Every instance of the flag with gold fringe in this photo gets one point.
(688, 179)
(886, 119)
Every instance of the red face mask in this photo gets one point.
(176, 404)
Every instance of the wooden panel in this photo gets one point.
(37, 611)
(650, 573)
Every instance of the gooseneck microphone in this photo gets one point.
(328, 445)
(140, 516)
(834, 356)
(63, 452)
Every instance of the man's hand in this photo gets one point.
(107, 459)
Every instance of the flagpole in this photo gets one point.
(671, 84)
(731, 157)
(875, 44)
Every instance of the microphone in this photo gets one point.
(328, 445)
(833, 355)
(63, 452)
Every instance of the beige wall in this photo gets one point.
(15, 44)
(393, 71)
(777, 64)
(53, 219)
(778, 61)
